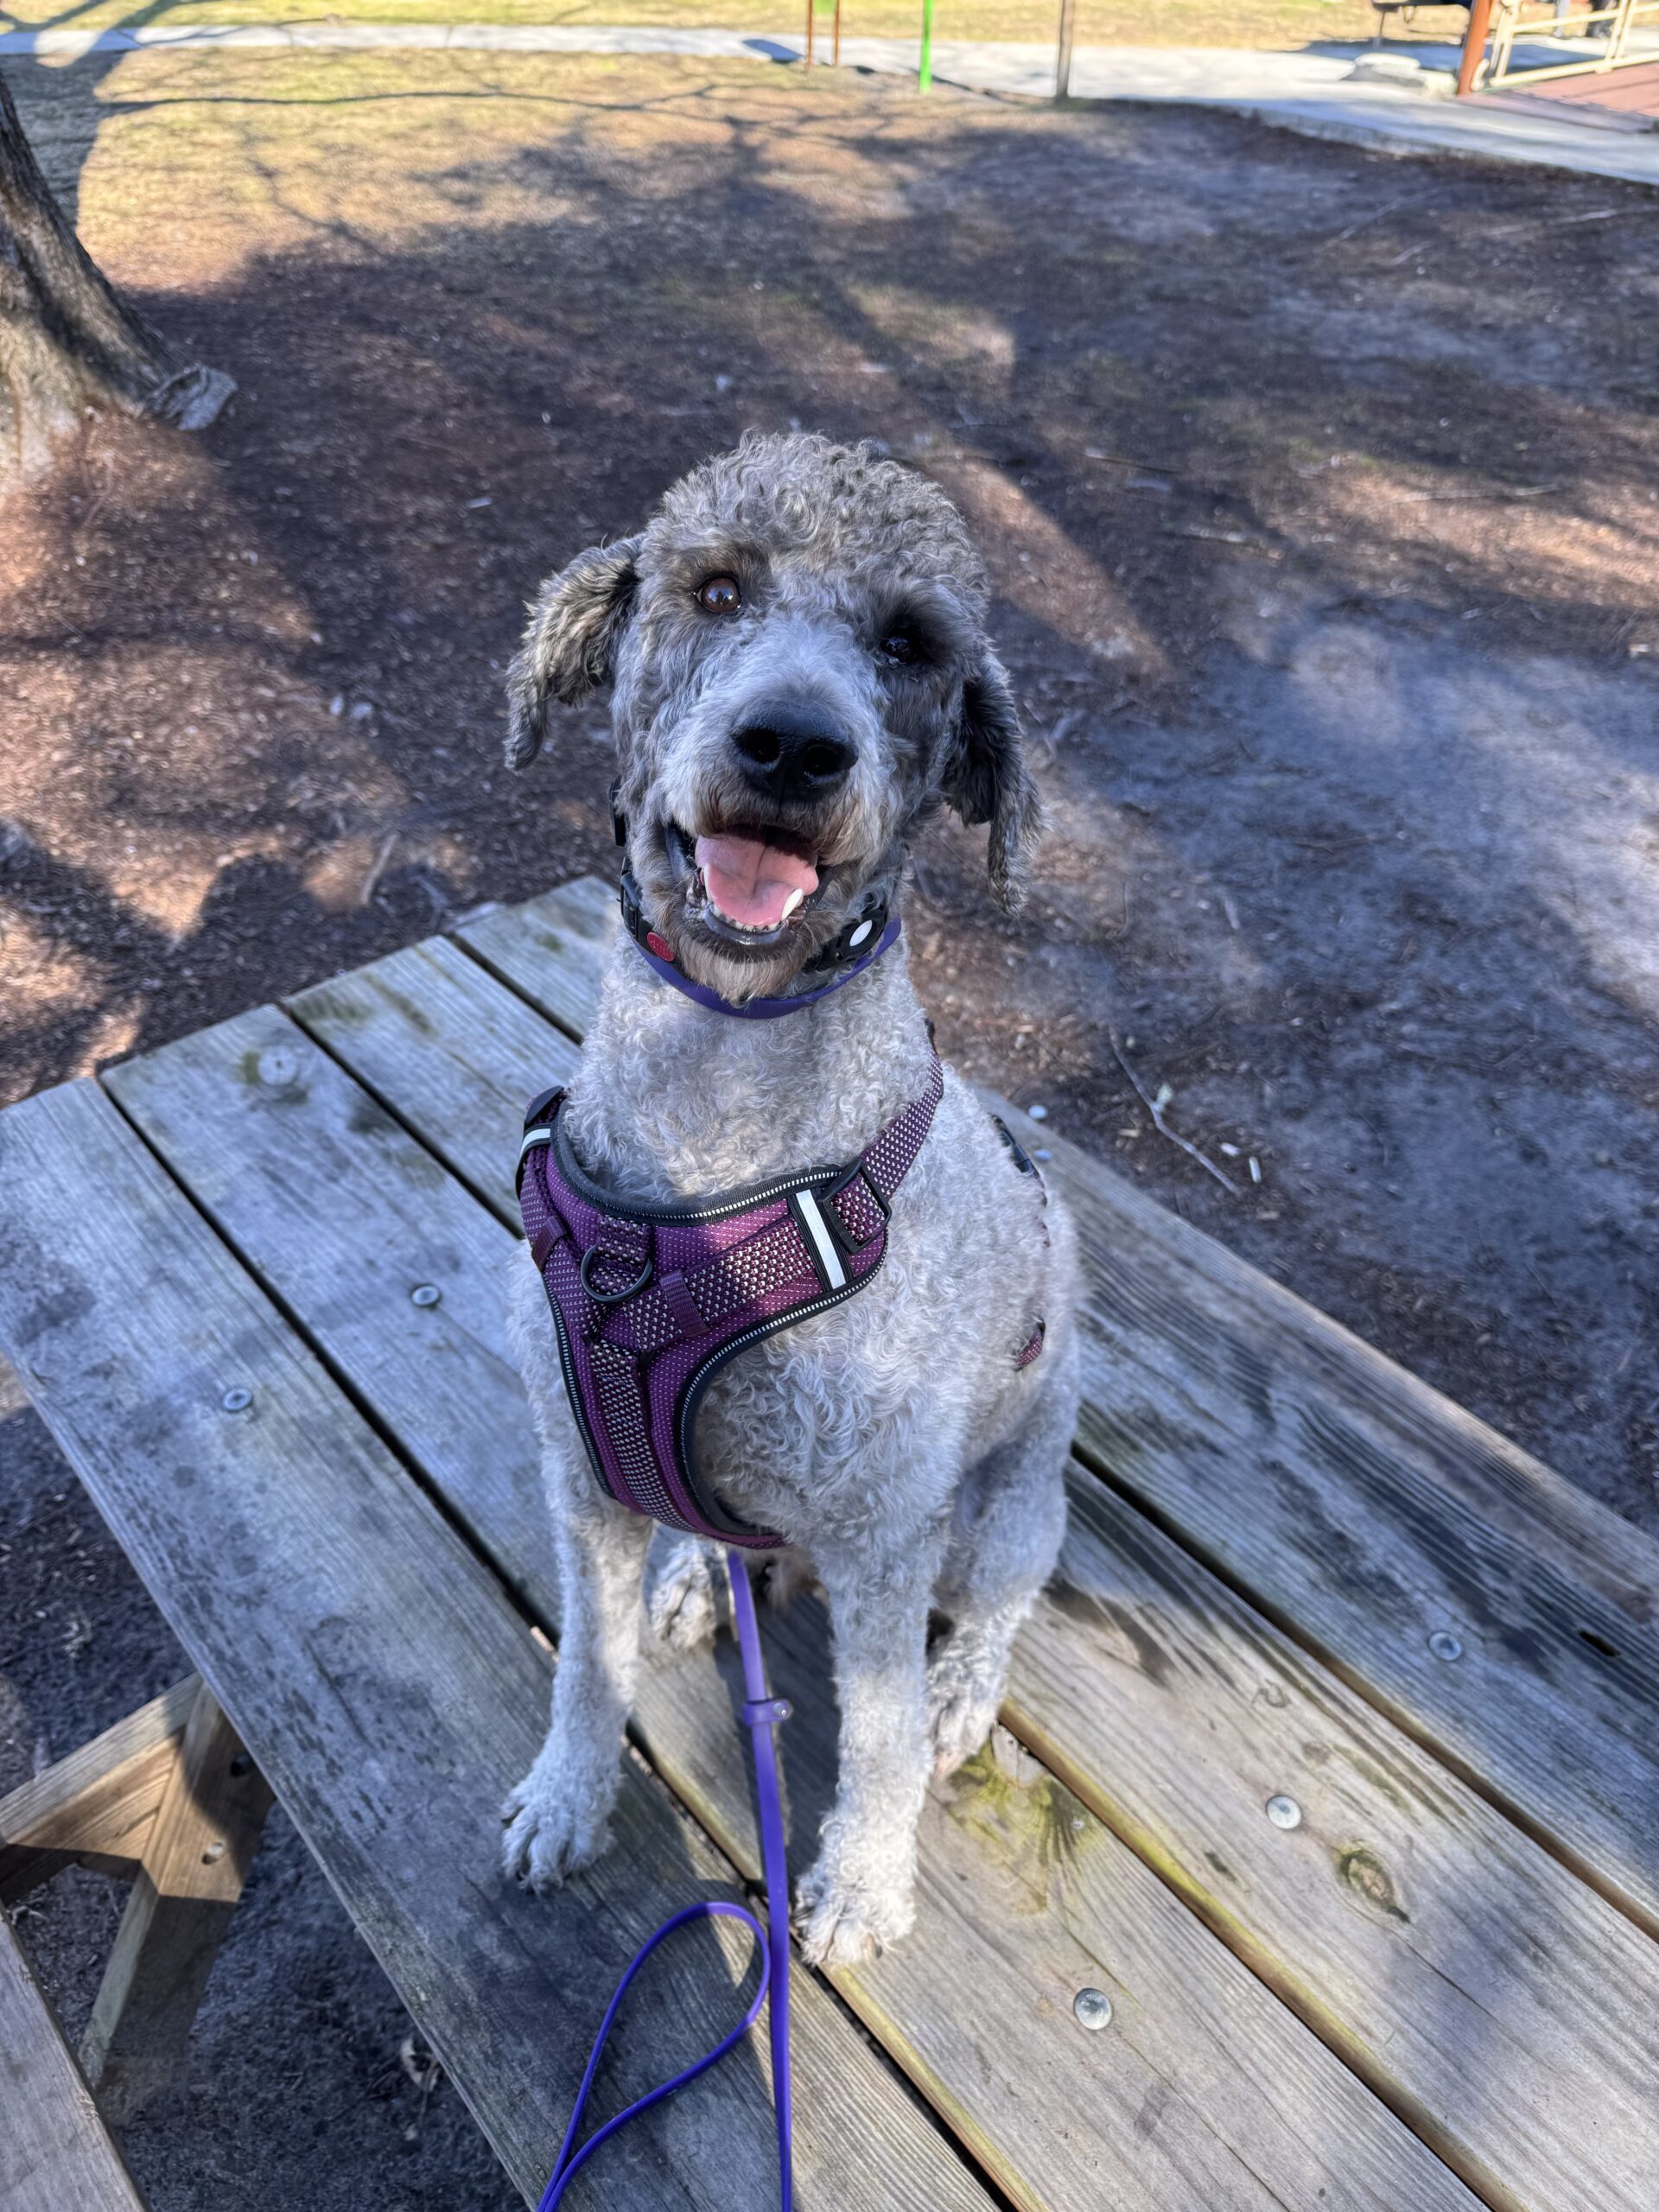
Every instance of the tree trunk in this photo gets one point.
(69, 344)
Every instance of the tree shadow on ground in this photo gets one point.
(60, 94)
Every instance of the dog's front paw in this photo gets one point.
(961, 1714)
(845, 1923)
(552, 1828)
(682, 1598)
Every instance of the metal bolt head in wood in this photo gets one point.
(1445, 1645)
(425, 1293)
(237, 1401)
(277, 1067)
(1093, 2008)
(1284, 1812)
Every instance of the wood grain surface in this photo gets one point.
(94, 1806)
(55, 2153)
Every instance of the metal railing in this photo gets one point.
(1524, 19)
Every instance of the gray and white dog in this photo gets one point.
(801, 673)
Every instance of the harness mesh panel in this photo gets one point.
(632, 1370)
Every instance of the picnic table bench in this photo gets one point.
(1329, 1759)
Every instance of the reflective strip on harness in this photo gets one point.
(822, 1244)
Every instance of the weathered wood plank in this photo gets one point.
(551, 950)
(1371, 1514)
(1358, 1507)
(55, 2154)
(335, 1209)
(347, 1217)
(94, 1808)
(1510, 2012)
(1201, 2091)
(195, 1859)
(388, 1692)
(426, 994)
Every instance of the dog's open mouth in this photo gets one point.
(746, 883)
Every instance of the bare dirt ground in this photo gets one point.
(1319, 493)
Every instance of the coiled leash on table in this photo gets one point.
(762, 1712)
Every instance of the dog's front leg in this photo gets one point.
(858, 1896)
(558, 1816)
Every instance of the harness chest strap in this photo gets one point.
(650, 1302)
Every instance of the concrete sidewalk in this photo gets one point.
(1330, 92)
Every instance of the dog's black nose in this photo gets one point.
(791, 750)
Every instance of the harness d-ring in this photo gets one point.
(614, 1297)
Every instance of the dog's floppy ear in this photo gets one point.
(574, 624)
(985, 780)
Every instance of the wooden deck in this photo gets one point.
(1623, 99)
(1294, 1575)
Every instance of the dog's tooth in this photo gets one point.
(791, 903)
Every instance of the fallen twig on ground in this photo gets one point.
(1376, 216)
(1128, 460)
(1539, 222)
(1503, 492)
(1154, 1107)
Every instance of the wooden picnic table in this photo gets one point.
(1330, 1757)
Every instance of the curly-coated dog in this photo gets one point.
(801, 677)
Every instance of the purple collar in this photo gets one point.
(767, 1009)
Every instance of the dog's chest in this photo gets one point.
(822, 1413)
(892, 1391)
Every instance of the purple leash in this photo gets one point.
(762, 1713)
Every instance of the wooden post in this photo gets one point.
(1063, 55)
(55, 2153)
(98, 1807)
(811, 34)
(1474, 46)
(194, 1863)
(925, 71)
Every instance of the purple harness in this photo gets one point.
(651, 1302)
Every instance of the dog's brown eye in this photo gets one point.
(720, 596)
(899, 645)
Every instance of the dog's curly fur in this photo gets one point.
(911, 1466)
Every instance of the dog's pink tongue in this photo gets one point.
(750, 880)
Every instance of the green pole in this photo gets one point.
(925, 74)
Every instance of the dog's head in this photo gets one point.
(801, 674)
